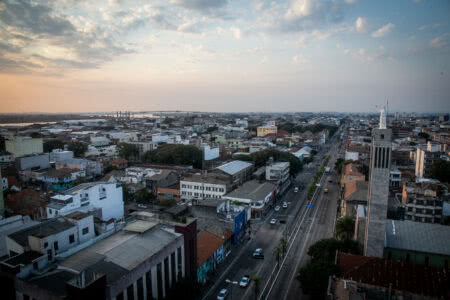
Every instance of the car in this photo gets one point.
(277, 208)
(258, 253)
(223, 294)
(285, 205)
(273, 221)
(245, 280)
(325, 190)
(141, 206)
(296, 189)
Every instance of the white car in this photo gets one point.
(285, 205)
(277, 208)
(223, 294)
(273, 221)
(245, 280)
(296, 190)
(141, 206)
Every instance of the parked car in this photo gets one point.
(141, 206)
(258, 253)
(285, 205)
(245, 280)
(296, 189)
(223, 294)
(273, 221)
(277, 208)
(325, 190)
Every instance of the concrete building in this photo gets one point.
(11, 225)
(265, 130)
(104, 199)
(380, 165)
(278, 172)
(143, 261)
(61, 179)
(237, 171)
(210, 153)
(425, 159)
(258, 196)
(143, 146)
(90, 167)
(33, 161)
(6, 159)
(58, 155)
(21, 146)
(2, 201)
(423, 201)
(395, 178)
(199, 186)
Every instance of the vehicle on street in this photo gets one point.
(296, 189)
(273, 221)
(245, 280)
(223, 294)
(258, 253)
(325, 190)
(285, 205)
(283, 221)
(277, 208)
(141, 206)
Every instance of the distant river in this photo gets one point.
(24, 124)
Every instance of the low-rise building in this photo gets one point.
(259, 196)
(104, 199)
(92, 168)
(425, 157)
(28, 202)
(238, 171)
(265, 130)
(423, 201)
(33, 161)
(61, 179)
(198, 186)
(58, 155)
(20, 146)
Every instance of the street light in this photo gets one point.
(231, 290)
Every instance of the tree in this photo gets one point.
(257, 281)
(128, 151)
(142, 195)
(314, 278)
(50, 145)
(345, 228)
(325, 249)
(441, 170)
(78, 148)
(168, 202)
(174, 154)
(260, 158)
(126, 194)
(278, 253)
(338, 165)
(284, 245)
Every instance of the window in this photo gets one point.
(130, 292)
(50, 211)
(55, 246)
(172, 268)
(85, 230)
(148, 282)
(427, 260)
(159, 280)
(45, 245)
(35, 265)
(71, 238)
(382, 136)
(179, 264)
(140, 288)
(166, 274)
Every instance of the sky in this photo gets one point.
(224, 55)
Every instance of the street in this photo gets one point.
(306, 225)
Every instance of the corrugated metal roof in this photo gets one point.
(234, 166)
(420, 237)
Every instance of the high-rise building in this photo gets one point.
(380, 164)
(2, 203)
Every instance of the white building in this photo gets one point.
(21, 146)
(210, 153)
(203, 186)
(58, 155)
(278, 171)
(351, 155)
(110, 151)
(98, 141)
(106, 197)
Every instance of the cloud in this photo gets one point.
(351, 2)
(202, 6)
(439, 41)
(361, 25)
(383, 30)
(237, 32)
(299, 59)
(300, 8)
(370, 56)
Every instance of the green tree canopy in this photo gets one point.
(261, 157)
(142, 196)
(78, 148)
(174, 154)
(325, 250)
(314, 278)
(345, 228)
(50, 145)
(128, 151)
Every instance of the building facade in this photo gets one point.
(21, 146)
(203, 186)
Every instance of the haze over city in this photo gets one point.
(219, 55)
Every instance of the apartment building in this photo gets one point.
(90, 167)
(198, 186)
(58, 155)
(33, 161)
(423, 201)
(265, 130)
(22, 145)
(237, 172)
(425, 157)
(104, 199)
(277, 171)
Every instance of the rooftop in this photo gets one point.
(253, 190)
(41, 230)
(207, 244)
(234, 167)
(419, 237)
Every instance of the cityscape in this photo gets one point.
(218, 149)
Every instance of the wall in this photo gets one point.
(435, 260)
(40, 161)
(20, 146)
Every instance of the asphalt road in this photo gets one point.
(306, 225)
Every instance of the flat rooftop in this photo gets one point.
(234, 167)
(253, 190)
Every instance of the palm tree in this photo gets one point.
(278, 253)
(345, 228)
(284, 246)
(257, 280)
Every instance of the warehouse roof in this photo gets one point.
(234, 167)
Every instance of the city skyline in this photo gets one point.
(224, 56)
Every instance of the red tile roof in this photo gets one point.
(207, 244)
(416, 279)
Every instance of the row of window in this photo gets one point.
(423, 219)
(196, 187)
(201, 195)
(175, 271)
(425, 211)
